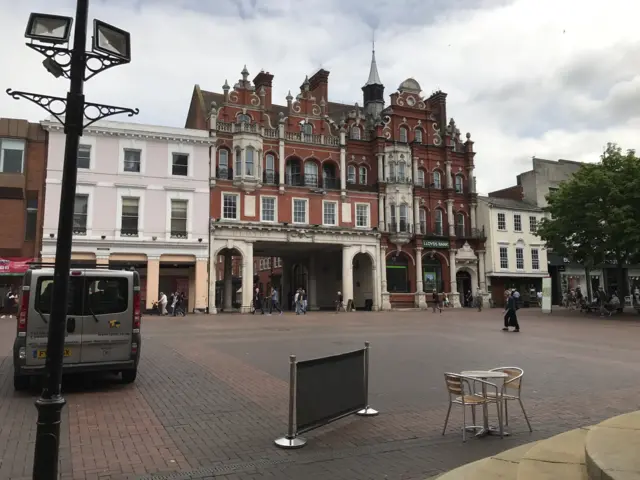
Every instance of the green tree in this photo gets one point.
(595, 216)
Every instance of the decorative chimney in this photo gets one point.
(319, 84)
(264, 80)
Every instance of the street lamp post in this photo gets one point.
(110, 47)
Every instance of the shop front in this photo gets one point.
(574, 276)
(12, 269)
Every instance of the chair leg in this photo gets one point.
(499, 409)
(446, 420)
(506, 412)
(525, 414)
(464, 423)
(473, 415)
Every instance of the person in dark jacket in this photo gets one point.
(257, 302)
(510, 315)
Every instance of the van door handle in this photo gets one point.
(71, 325)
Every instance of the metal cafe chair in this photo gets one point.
(511, 390)
(461, 393)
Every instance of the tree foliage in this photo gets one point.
(595, 216)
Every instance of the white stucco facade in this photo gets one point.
(142, 198)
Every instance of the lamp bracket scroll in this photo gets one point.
(56, 106)
(96, 111)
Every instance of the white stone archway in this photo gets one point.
(364, 279)
(245, 250)
(473, 273)
(349, 254)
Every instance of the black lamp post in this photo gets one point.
(110, 47)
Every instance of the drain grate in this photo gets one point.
(219, 470)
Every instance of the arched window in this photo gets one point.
(244, 118)
(355, 133)
(351, 174)
(439, 222)
(392, 171)
(393, 218)
(459, 184)
(311, 173)
(403, 134)
(420, 180)
(403, 215)
(307, 128)
(437, 180)
(293, 172)
(238, 170)
(418, 135)
(270, 168)
(460, 231)
(329, 178)
(401, 171)
(248, 161)
(423, 221)
(362, 174)
(223, 164)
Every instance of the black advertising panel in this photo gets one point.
(329, 388)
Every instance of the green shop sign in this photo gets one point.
(435, 244)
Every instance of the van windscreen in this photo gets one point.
(87, 295)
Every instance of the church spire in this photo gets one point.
(374, 77)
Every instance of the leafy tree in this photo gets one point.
(595, 216)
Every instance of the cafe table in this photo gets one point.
(486, 375)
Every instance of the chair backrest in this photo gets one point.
(455, 385)
(514, 378)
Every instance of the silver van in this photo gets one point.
(103, 323)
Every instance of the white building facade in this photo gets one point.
(515, 255)
(142, 201)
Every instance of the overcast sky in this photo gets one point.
(550, 78)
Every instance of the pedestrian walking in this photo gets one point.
(339, 302)
(274, 305)
(479, 299)
(163, 304)
(305, 303)
(510, 315)
(435, 303)
(257, 302)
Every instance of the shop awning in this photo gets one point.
(14, 265)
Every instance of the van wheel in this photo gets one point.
(129, 376)
(21, 382)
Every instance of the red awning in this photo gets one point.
(14, 265)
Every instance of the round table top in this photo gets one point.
(483, 374)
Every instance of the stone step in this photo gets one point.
(503, 466)
(612, 449)
(558, 457)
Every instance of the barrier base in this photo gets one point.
(367, 412)
(290, 443)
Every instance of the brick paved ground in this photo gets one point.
(212, 395)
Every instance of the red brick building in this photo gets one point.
(23, 164)
(351, 198)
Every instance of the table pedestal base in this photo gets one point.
(487, 431)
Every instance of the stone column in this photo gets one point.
(343, 164)
(281, 165)
(450, 217)
(449, 178)
(284, 287)
(416, 215)
(481, 271)
(386, 305)
(247, 278)
(202, 286)
(213, 277)
(153, 281)
(414, 169)
(381, 215)
(228, 283)
(420, 297)
(380, 166)
(347, 275)
(376, 281)
(312, 296)
(474, 208)
(471, 184)
(454, 295)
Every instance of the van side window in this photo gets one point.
(107, 295)
(44, 296)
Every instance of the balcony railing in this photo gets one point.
(331, 183)
(470, 233)
(270, 177)
(310, 179)
(270, 132)
(178, 234)
(224, 173)
(312, 138)
(398, 179)
(294, 179)
(403, 226)
(244, 127)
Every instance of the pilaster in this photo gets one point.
(420, 296)
(386, 304)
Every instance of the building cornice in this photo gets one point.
(133, 131)
(293, 230)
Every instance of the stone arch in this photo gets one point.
(364, 287)
(395, 253)
(228, 290)
(472, 272)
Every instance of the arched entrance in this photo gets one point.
(463, 281)
(398, 273)
(229, 286)
(363, 281)
(432, 278)
(299, 279)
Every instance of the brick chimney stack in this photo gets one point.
(319, 85)
(264, 79)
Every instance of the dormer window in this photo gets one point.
(403, 134)
(244, 118)
(307, 129)
(355, 133)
